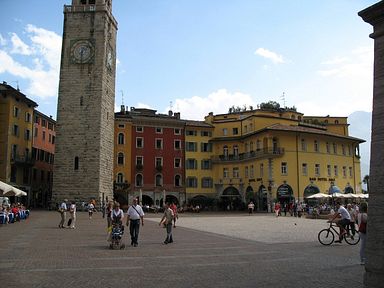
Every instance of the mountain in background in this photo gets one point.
(360, 127)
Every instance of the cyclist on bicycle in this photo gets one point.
(343, 222)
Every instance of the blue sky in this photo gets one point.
(207, 55)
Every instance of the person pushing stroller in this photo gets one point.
(117, 216)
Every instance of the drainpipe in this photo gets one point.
(298, 168)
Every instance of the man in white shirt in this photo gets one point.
(72, 212)
(135, 214)
(63, 213)
(343, 222)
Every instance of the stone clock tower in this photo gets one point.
(83, 168)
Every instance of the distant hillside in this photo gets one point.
(360, 127)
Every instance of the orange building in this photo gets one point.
(43, 149)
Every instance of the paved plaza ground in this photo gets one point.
(210, 250)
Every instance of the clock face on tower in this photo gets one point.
(82, 51)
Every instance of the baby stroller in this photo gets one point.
(116, 235)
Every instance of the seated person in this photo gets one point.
(3, 215)
(343, 222)
(15, 211)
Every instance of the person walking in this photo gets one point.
(72, 212)
(175, 216)
(108, 211)
(277, 209)
(63, 213)
(352, 222)
(91, 208)
(135, 214)
(167, 221)
(362, 219)
(251, 207)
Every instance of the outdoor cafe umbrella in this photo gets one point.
(338, 195)
(318, 196)
(15, 192)
(5, 188)
(361, 195)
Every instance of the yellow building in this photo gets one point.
(122, 155)
(199, 178)
(269, 155)
(16, 119)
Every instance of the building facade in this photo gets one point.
(85, 115)
(199, 176)
(16, 118)
(262, 155)
(268, 155)
(149, 152)
(43, 152)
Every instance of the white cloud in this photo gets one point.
(344, 84)
(334, 61)
(41, 68)
(357, 64)
(274, 57)
(3, 41)
(218, 102)
(19, 47)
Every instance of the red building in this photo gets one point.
(43, 150)
(157, 155)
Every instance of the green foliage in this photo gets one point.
(270, 105)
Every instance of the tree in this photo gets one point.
(270, 105)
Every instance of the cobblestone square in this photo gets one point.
(210, 249)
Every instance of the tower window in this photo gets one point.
(76, 163)
(84, 2)
(92, 2)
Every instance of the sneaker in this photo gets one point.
(338, 241)
(165, 242)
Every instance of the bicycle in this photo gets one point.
(327, 236)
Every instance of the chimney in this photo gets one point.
(122, 108)
(170, 113)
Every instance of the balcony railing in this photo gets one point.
(22, 159)
(264, 153)
(121, 186)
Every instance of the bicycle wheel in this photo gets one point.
(352, 239)
(326, 237)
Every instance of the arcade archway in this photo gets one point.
(249, 195)
(231, 199)
(285, 194)
(147, 201)
(262, 199)
(311, 190)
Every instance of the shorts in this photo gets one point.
(343, 222)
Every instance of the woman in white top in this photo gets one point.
(117, 215)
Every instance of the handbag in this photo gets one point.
(363, 227)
